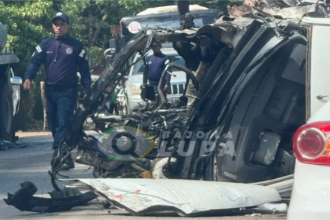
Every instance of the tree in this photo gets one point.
(27, 23)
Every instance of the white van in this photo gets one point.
(135, 79)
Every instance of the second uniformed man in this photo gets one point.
(156, 65)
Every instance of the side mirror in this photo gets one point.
(16, 80)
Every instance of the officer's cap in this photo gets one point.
(62, 16)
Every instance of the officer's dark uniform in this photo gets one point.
(156, 65)
(63, 57)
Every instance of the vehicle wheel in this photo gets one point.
(6, 112)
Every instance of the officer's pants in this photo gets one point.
(155, 85)
(61, 104)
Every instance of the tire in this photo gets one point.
(6, 112)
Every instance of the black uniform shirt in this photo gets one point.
(63, 57)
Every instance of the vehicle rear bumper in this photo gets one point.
(311, 192)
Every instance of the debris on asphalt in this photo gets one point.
(256, 215)
(63, 200)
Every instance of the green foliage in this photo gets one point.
(135, 6)
(27, 23)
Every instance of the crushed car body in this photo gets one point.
(245, 99)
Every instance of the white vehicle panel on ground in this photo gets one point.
(186, 197)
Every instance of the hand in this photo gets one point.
(165, 87)
(27, 84)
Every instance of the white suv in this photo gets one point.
(311, 188)
(135, 79)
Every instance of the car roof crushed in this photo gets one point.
(234, 25)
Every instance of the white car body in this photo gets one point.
(311, 188)
(135, 79)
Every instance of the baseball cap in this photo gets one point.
(62, 16)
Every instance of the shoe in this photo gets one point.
(68, 164)
(65, 167)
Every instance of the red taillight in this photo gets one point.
(311, 143)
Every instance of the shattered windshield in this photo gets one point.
(138, 68)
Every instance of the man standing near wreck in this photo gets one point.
(156, 65)
(63, 56)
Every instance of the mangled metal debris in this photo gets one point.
(266, 9)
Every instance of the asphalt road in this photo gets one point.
(32, 164)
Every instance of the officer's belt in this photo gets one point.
(61, 87)
(155, 82)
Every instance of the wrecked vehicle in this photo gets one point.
(249, 92)
(251, 133)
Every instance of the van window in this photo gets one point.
(138, 68)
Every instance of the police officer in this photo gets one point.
(63, 56)
(156, 65)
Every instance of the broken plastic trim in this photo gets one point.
(63, 200)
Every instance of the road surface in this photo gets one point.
(33, 162)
